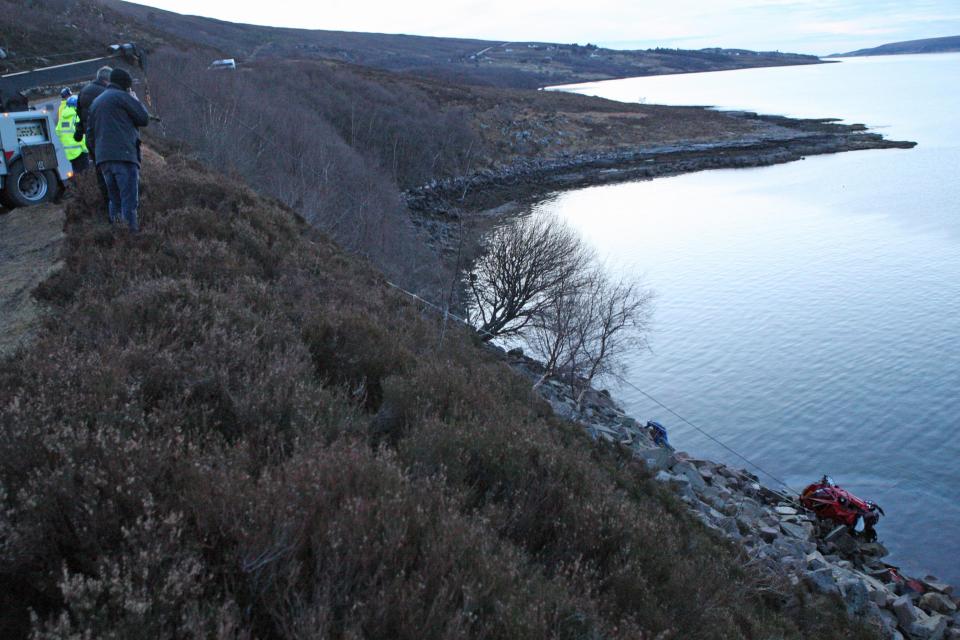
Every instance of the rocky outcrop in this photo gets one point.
(779, 140)
(771, 526)
(774, 530)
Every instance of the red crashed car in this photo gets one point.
(830, 502)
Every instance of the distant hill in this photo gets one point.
(494, 63)
(927, 45)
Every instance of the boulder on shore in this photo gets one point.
(937, 603)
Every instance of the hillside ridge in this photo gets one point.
(926, 45)
(461, 60)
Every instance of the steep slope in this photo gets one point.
(36, 34)
(228, 428)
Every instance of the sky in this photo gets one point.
(803, 26)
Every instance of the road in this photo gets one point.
(483, 51)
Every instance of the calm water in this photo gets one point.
(809, 313)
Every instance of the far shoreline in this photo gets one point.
(440, 206)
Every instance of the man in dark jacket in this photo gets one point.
(90, 92)
(114, 127)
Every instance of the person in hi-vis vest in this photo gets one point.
(65, 94)
(76, 150)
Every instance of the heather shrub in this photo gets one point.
(352, 349)
(462, 386)
(229, 428)
(566, 512)
(345, 543)
(153, 586)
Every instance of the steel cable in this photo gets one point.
(447, 313)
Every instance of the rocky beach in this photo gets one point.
(775, 532)
(438, 207)
(793, 548)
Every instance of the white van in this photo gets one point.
(34, 167)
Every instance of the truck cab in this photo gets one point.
(34, 167)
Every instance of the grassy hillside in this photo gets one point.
(335, 140)
(36, 34)
(228, 428)
(515, 64)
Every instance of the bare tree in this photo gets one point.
(587, 326)
(612, 318)
(519, 273)
(537, 281)
(551, 335)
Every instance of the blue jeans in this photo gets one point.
(123, 189)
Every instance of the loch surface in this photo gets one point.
(808, 314)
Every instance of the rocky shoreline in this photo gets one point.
(439, 207)
(776, 533)
(774, 530)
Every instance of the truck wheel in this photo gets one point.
(25, 188)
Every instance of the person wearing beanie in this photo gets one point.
(114, 127)
(121, 78)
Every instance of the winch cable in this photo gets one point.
(440, 309)
(790, 496)
(792, 493)
(68, 54)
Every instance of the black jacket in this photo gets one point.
(114, 126)
(90, 92)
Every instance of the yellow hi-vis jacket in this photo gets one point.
(65, 128)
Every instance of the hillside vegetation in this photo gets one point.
(334, 140)
(40, 33)
(513, 64)
(53, 26)
(229, 428)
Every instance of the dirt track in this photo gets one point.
(30, 241)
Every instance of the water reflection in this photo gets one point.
(809, 313)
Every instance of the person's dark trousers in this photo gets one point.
(101, 182)
(123, 188)
(104, 192)
(80, 164)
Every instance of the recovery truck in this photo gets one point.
(33, 165)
